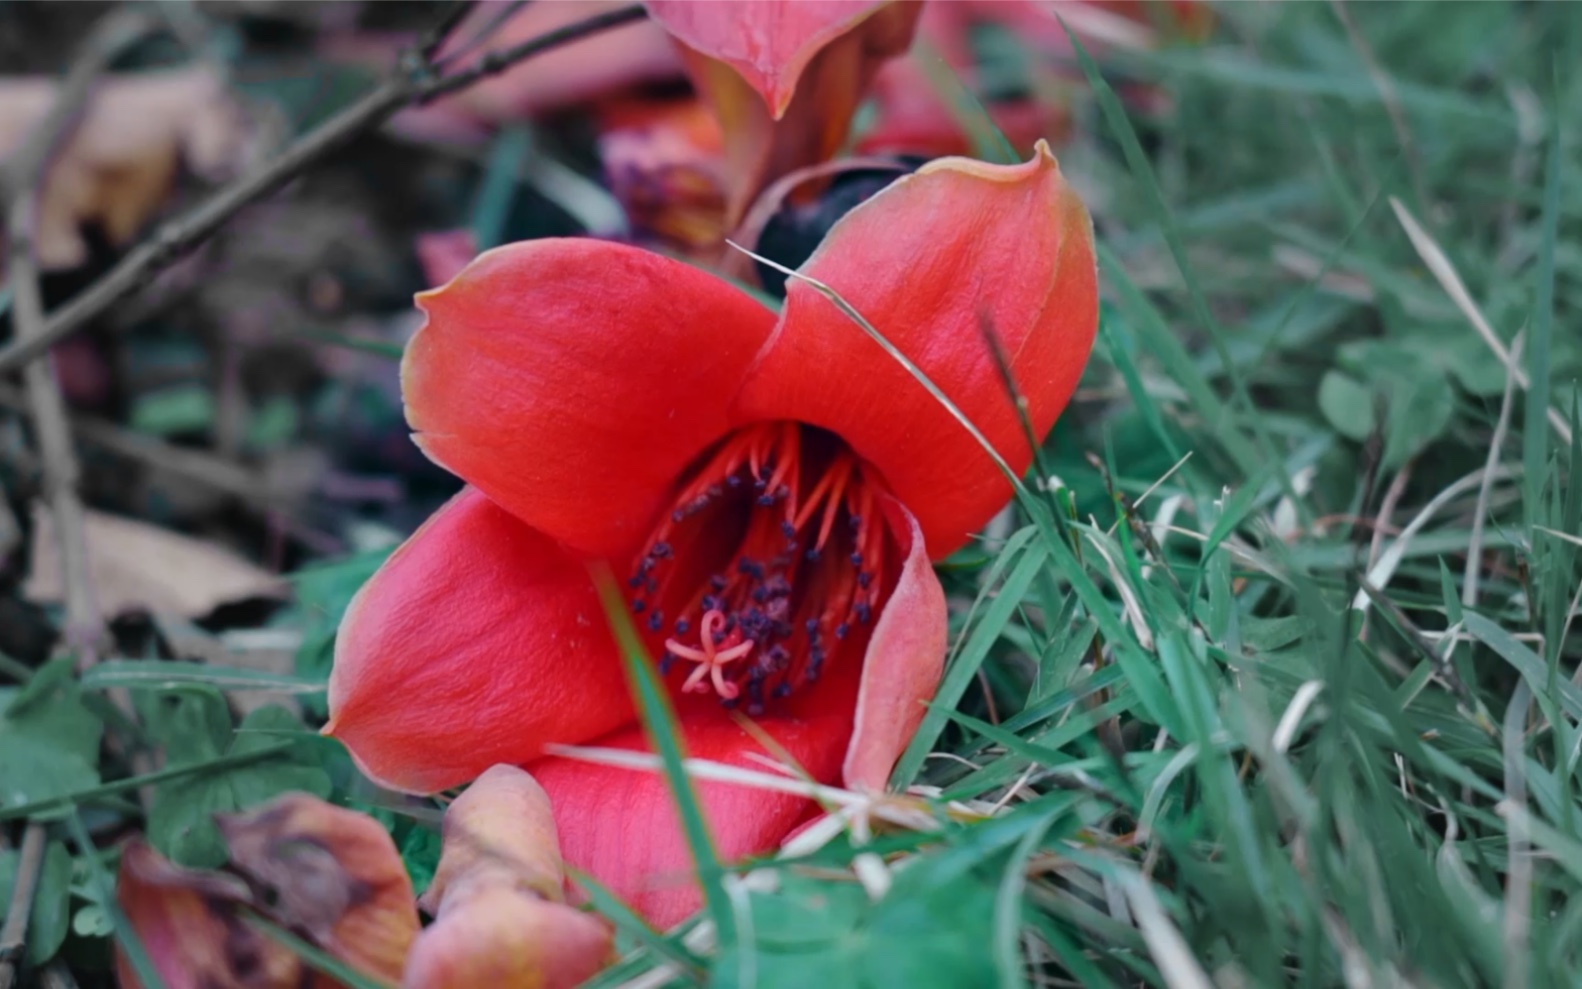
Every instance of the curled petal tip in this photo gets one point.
(500, 832)
(509, 939)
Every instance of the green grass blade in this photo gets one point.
(1535, 437)
(664, 734)
(960, 674)
(157, 674)
(627, 922)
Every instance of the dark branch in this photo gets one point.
(176, 238)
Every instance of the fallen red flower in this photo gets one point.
(774, 488)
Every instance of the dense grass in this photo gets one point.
(1274, 686)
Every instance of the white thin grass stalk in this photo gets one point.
(1565, 633)
(1015, 788)
(1098, 24)
(1162, 479)
(747, 950)
(1291, 720)
(1474, 571)
(1380, 574)
(1387, 506)
(1574, 540)
(703, 769)
(873, 874)
(1153, 803)
(1519, 865)
(1169, 949)
(1445, 272)
(859, 806)
(1134, 611)
(1165, 518)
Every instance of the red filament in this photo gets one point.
(771, 565)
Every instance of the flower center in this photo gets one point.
(772, 563)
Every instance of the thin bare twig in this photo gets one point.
(412, 84)
(14, 936)
(1387, 506)
(84, 631)
(436, 36)
(193, 465)
(1389, 97)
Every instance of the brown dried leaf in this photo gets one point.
(331, 873)
(189, 924)
(134, 565)
(118, 166)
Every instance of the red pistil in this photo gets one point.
(754, 562)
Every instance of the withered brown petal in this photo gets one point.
(330, 873)
(189, 924)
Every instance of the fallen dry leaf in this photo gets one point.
(329, 874)
(137, 566)
(119, 164)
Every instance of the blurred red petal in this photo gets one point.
(443, 254)
(583, 71)
(768, 42)
(572, 380)
(785, 79)
(662, 160)
(932, 262)
(476, 643)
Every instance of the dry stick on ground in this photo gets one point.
(84, 630)
(25, 177)
(411, 85)
(20, 909)
(193, 465)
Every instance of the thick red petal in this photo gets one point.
(932, 262)
(768, 42)
(621, 827)
(905, 658)
(572, 380)
(478, 642)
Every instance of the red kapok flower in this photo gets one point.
(773, 488)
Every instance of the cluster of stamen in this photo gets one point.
(771, 561)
